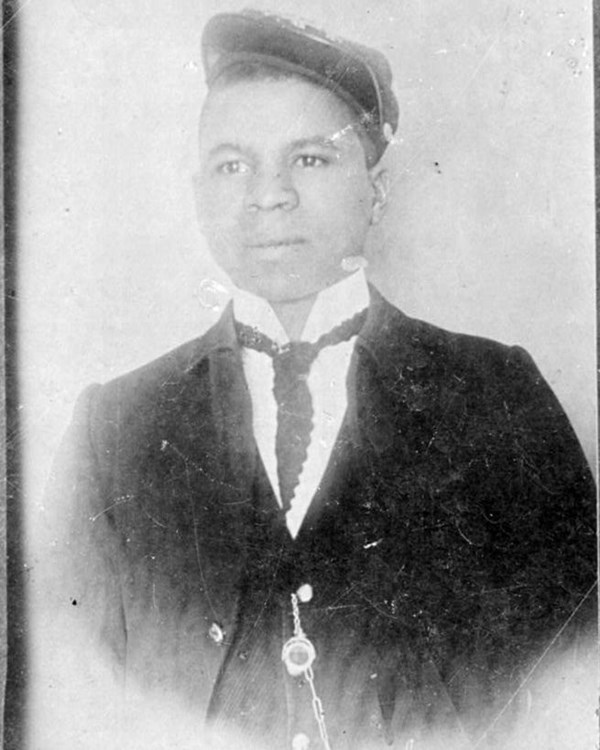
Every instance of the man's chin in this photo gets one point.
(287, 291)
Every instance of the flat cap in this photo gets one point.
(359, 75)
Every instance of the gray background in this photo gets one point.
(490, 229)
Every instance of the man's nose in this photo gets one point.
(268, 190)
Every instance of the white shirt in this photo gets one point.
(326, 382)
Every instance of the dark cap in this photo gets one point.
(359, 75)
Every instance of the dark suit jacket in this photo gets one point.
(452, 537)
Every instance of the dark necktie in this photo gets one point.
(291, 365)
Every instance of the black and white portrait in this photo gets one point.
(307, 374)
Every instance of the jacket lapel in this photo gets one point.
(230, 407)
(385, 421)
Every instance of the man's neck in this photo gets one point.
(307, 318)
(293, 315)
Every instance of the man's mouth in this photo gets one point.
(275, 243)
(274, 250)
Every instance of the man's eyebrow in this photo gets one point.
(317, 140)
(229, 146)
(324, 141)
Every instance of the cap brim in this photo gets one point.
(317, 57)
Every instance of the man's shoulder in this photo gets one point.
(164, 375)
(179, 360)
(410, 343)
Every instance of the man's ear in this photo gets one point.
(380, 181)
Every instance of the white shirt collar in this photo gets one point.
(332, 306)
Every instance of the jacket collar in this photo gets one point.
(383, 335)
(379, 334)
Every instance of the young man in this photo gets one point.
(323, 523)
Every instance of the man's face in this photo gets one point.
(283, 190)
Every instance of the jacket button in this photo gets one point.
(305, 593)
(300, 742)
(215, 633)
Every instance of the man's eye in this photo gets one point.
(232, 167)
(310, 160)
